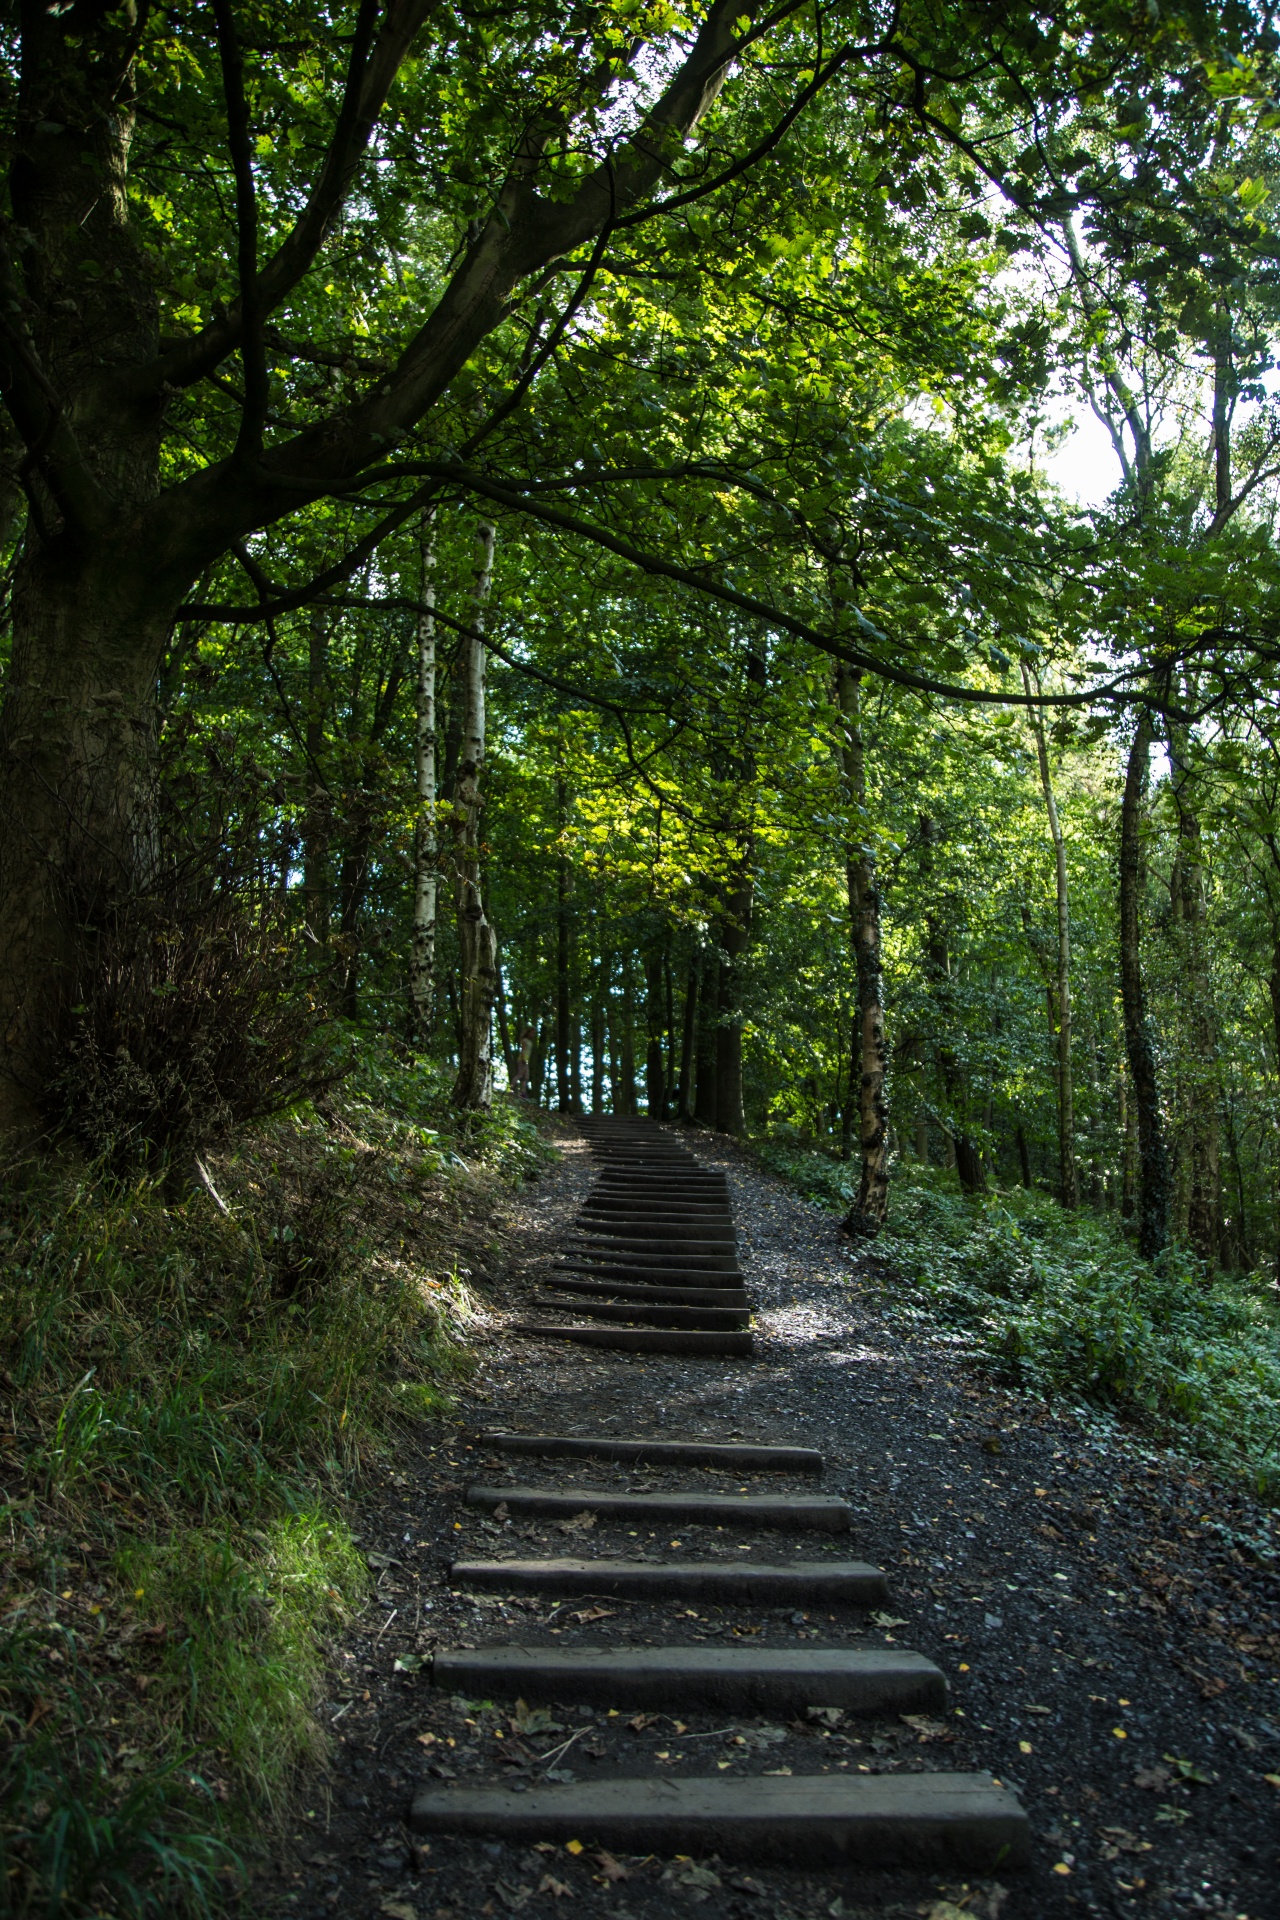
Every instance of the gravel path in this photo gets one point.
(1107, 1621)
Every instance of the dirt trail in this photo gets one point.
(1109, 1632)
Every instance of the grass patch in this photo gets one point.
(191, 1392)
(1060, 1303)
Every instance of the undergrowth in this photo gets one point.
(1061, 1303)
(190, 1392)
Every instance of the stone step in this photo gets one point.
(614, 1181)
(735, 1456)
(682, 1296)
(646, 1339)
(822, 1512)
(826, 1820)
(659, 1226)
(680, 1213)
(733, 1679)
(747, 1584)
(649, 1313)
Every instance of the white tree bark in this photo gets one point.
(422, 956)
(477, 946)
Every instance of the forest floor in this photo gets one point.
(1108, 1618)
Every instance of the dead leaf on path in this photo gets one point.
(610, 1869)
(639, 1721)
(825, 1716)
(502, 1511)
(398, 1910)
(926, 1727)
(558, 1889)
(946, 1910)
(695, 1876)
(528, 1719)
(1154, 1779)
(512, 1898)
(578, 1523)
(1119, 1840)
(886, 1620)
(590, 1614)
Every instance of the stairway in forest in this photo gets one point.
(654, 1256)
(656, 1225)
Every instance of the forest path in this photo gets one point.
(1101, 1623)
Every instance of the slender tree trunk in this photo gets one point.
(1068, 1177)
(630, 1104)
(509, 1052)
(704, 1110)
(598, 1040)
(1129, 1148)
(1204, 1195)
(654, 1075)
(353, 883)
(960, 1151)
(1274, 984)
(318, 826)
(689, 1035)
(422, 952)
(1024, 1158)
(1153, 1157)
(869, 1062)
(564, 983)
(735, 937)
(477, 950)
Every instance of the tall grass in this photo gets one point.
(1059, 1302)
(191, 1392)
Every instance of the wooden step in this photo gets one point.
(748, 1584)
(601, 1269)
(810, 1820)
(677, 1296)
(646, 1339)
(657, 1313)
(732, 1678)
(735, 1456)
(800, 1511)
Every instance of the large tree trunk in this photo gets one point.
(422, 955)
(1153, 1157)
(962, 1153)
(869, 1061)
(477, 949)
(1068, 1178)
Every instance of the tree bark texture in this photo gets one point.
(477, 948)
(689, 1036)
(735, 937)
(869, 1060)
(704, 1109)
(564, 973)
(1153, 1157)
(1068, 1177)
(426, 845)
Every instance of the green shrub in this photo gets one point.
(1060, 1303)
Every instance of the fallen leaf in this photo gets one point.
(695, 1876)
(611, 1870)
(926, 1727)
(381, 1561)
(1153, 1779)
(590, 1614)
(512, 1898)
(640, 1721)
(577, 1523)
(1272, 1779)
(825, 1716)
(557, 1888)
(410, 1663)
(946, 1910)
(528, 1719)
(886, 1620)
(573, 1846)
(398, 1910)
(426, 1739)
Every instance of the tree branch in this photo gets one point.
(253, 416)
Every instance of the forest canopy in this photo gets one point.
(535, 533)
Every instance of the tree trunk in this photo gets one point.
(1024, 1158)
(655, 1083)
(1200, 1063)
(869, 1062)
(477, 951)
(1068, 1178)
(735, 937)
(1153, 1157)
(689, 1035)
(598, 1040)
(628, 1063)
(960, 1151)
(704, 1110)
(564, 983)
(422, 952)
(318, 824)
